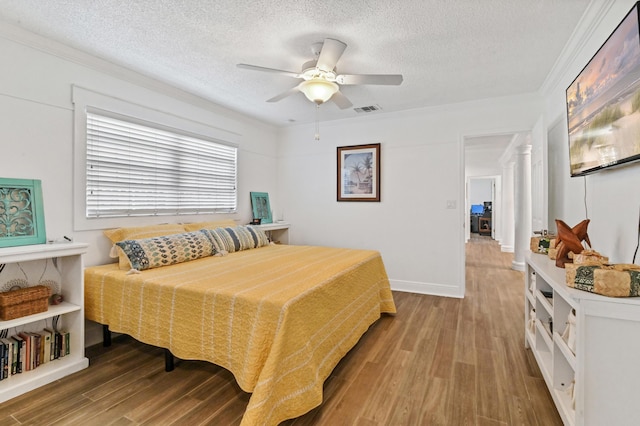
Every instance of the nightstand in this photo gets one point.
(277, 232)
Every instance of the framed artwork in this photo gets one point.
(21, 212)
(261, 207)
(359, 173)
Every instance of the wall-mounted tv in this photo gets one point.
(603, 103)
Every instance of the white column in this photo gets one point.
(522, 206)
(508, 218)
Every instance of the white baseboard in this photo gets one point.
(427, 288)
(506, 249)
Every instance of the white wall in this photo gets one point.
(483, 163)
(421, 241)
(480, 190)
(613, 198)
(37, 128)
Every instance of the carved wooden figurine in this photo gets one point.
(570, 240)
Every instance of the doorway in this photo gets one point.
(483, 201)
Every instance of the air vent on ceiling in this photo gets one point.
(367, 109)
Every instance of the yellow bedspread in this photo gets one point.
(279, 317)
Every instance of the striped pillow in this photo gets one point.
(166, 250)
(237, 238)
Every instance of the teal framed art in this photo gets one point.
(261, 207)
(21, 212)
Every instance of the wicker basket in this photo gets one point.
(23, 302)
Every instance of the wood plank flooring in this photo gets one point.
(439, 361)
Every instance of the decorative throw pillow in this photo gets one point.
(238, 238)
(226, 223)
(166, 250)
(137, 233)
(140, 232)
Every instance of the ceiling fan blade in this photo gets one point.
(341, 100)
(274, 70)
(284, 94)
(330, 54)
(380, 79)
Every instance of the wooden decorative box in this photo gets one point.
(23, 302)
(542, 244)
(617, 280)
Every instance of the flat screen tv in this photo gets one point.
(603, 103)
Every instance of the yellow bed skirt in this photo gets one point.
(279, 317)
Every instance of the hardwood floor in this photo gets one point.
(439, 361)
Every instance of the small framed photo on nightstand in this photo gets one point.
(261, 207)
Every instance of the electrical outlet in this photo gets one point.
(451, 204)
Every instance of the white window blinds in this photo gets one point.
(137, 170)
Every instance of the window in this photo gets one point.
(136, 168)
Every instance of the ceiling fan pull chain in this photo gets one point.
(318, 122)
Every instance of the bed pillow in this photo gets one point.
(137, 233)
(166, 250)
(228, 223)
(238, 238)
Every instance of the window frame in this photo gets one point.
(84, 100)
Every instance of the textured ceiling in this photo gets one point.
(447, 51)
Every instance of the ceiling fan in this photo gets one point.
(321, 79)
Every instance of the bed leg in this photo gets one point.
(168, 360)
(106, 336)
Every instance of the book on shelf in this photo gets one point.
(45, 355)
(26, 350)
(56, 345)
(16, 356)
(8, 361)
(67, 342)
(13, 356)
(63, 343)
(3, 361)
(20, 344)
(52, 343)
(26, 363)
(36, 348)
(30, 350)
(8, 357)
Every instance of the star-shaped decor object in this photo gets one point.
(570, 240)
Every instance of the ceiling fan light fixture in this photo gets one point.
(318, 90)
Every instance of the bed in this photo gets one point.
(278, 317)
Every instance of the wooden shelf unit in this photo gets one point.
(71, 313)
(603, 366)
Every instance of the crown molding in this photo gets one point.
(582, 33)
(59, 50)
